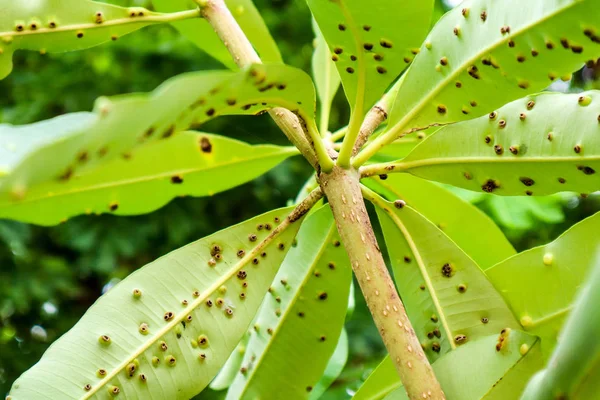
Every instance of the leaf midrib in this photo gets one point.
(287, 311)
(423, 269)
(148, 178)
(192, 306)
(408, 165)
(153, 18)
(444, 82)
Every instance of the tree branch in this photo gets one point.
(240, 48)
(346, 201)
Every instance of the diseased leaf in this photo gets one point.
(301, 319)
(473, 231)
(448, 298)
(64, 25)
(540, 284)
(334, 367)
(185, 313)
(120, 125)
(368, 48)
(485, 53)
(477, 371)
(382, 381)
(188, 164)
(575, 359)
(538, 145)
(326, 77)
(202, 35)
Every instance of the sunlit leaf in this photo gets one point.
(478, 371)
(56, 149)
(368, 48)
(538, 145)
(202, 34)
(485, 53)
(540, 284)
(473, 231)
(179, 316)
(188, 164)
(65, 25)
(448, 299)
(301, 319)
(573, 369)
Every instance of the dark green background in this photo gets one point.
(50, 276)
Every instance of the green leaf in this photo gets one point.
(365, 40)
(486, 66)
(120, 125)
(326, 77)
(232, 366)
(64, 25)
(195, 308)
(448, 299)
(382, 381)
(478, 371)
(334, 367)
(204, 165)
(473, 231)
(540, 284)
(202, 35)
(538, 145)
(302, 318)
(525, 213)
(575, 359)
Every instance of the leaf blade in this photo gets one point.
(59, 26)
(432, 273)
(163, 285)
(305, 313)
(544, 271)
(122, 124)
(368, 30)
(473, 231)
(505, 64)
(205, 165)
(509, 154)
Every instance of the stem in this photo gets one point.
(385, 139)
(346, 201)
(240, 48)
(152, 18)
(374, 118)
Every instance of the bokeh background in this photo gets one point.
(50, 276)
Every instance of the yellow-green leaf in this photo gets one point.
(538, 145)
(302, 317)
(540, 284)
(176, 318)
(473, 231)
(56, 149)
(449, 300)
(485, 53)
(65, 25)
(188, 164)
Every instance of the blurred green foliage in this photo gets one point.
(50, 276)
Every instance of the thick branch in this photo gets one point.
(345, 198)
(240, 48)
